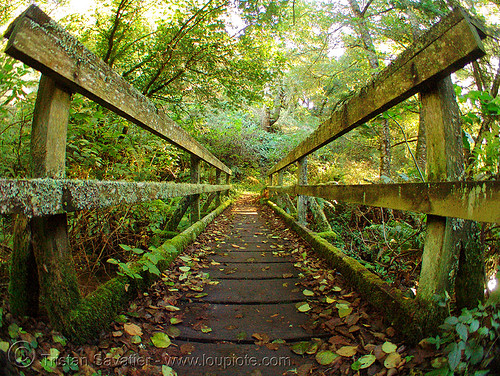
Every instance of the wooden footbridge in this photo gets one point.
(259, 293)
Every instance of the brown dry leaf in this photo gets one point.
(347, 351)
(132, 329)
(339, 341)
(287, 275)
(354, 328)
(352, 319)
(305, 369)
(379, 353)
(273, 346)
(392, 360)
(118, 333)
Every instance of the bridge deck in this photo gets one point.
(235, 325)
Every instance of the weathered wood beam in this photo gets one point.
(41, 43)
(445, 48)
(41, 197)
(478, 201)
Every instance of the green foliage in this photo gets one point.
(468, 342)
(148, 262)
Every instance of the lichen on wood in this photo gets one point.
(40, 197)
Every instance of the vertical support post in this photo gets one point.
(217, 182)
(302, 200)
(46, 237)
(444, 163)
(195, 179)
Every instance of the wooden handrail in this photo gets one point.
(478, 201)
(36, 40)
(445, 48)
(41, 197)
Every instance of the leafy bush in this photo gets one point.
(469, 343)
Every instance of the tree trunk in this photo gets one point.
(179, 212)
(369, 47)
(320, 221)
(206, 205)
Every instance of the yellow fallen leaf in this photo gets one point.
(347, 351)
(132, 329)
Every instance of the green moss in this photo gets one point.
(329, 235)
(23, 282)
(399, 311)
(98, 310)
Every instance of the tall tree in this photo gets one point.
(359, 16)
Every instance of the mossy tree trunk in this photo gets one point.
(217, 181)
(23, 283)
(44, 240)
(195, 179)
(179, 212)
(320, 221)
(208, 202)
(302, 200)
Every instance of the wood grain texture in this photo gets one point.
(479, 201)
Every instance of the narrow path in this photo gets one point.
(253, 301)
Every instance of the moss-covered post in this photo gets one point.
(302, 200)
(47, 237)
(445, 236)
(195, 179)
(217, 182)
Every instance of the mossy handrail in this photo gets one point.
(423, 68)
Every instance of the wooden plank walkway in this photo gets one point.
(255, 295)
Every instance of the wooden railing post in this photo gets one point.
(45, 238)
(217, 182)
(302, 200)
(195, 179)
(444, 163)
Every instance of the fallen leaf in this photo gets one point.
(135, 340)
(303, 307)
(132, 329)
(389, 347)
(171, 308)
(167, 371)
(363, 362)
(300, 348)
(173, 331)
(118, 333)
(305, 369)
(330, 300)
(205, 329)
(184, 269)
(347, 351)
(272, 346)
(326, 357)
(344, 309)
(392, 360)
(160, 340)
(308, 293)
(287, 275)
(175, 320)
